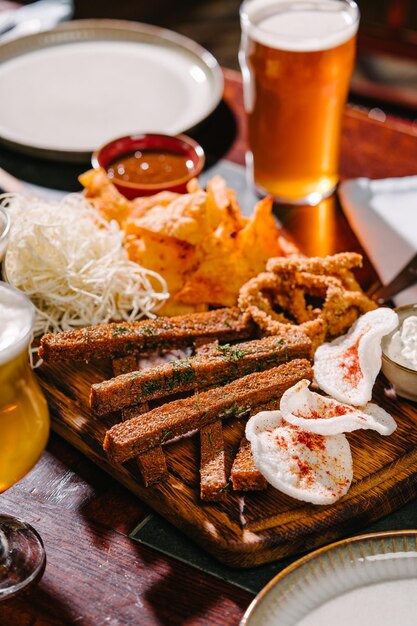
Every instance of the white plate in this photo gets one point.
(364, 581)
(67, 91)
(383, 216)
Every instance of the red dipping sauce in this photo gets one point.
(144, 164)
(150, 167)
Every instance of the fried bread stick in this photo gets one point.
(152, 464)
(213, 479)
(126, 440)
(213, 366)
(245, 476)
(122, 338)
(124, 365)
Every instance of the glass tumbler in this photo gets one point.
(24, 428)
(296, 57)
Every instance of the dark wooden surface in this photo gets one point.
(95, 575)
(244, 529)
(388, 29)
(387, 32)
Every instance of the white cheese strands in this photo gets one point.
(347, 367)
(73, 266)
(325, 416)
(302, 465)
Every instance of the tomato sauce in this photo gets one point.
(150, 167)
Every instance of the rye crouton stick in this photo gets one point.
(122, 338)
(152, 464)
(213, 479)
(216, 365)
(153, 467)
(126, 440)
(245, 476)
(124, 365)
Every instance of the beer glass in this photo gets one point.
(24, 428)
(297, 58)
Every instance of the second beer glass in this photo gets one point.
(297, 58)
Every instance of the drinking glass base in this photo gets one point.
(22, 556)
(324, 188)
(312, 199)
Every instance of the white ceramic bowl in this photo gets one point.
(403, 379)
(370, 580)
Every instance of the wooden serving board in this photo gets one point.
(247, 528)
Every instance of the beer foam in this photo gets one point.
(298, 25)
(16, 320)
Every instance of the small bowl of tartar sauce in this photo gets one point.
(399, 353)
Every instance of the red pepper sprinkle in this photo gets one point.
(325, 411)
(281, 442)
(349, 362)
(310, 440)
(339, 409)
(303, 467)
(312, 415)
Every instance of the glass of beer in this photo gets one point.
(24, 429)
(297, 58)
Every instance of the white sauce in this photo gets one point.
(16, 320)
(403, 346)
(299, 26)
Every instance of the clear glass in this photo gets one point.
(24, 429)
(22, 556)
(4, 230)
(296, 57)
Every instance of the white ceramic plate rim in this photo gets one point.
(111, 30)
(250, 617)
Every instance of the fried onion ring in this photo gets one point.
(318, 296)
(315, 265)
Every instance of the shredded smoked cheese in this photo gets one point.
(72, 264)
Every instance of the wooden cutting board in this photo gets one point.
(247, 528)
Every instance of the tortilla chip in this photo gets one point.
(193, 185)
(199, 241)
(184, 218)
(231, 258)
(104, 196)
(170, 257)
(172, 308)
(140, 206)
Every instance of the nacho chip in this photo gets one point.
(140, 206)
(231, 257)
(170, 257)
(104, 196)
(184, 218)
(193, 185)
(199, 241)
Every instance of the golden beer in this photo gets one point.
(297, 59)
(24, 417)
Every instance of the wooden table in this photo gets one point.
(95, 574)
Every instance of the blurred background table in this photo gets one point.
(386, 69)
(95, 574)
(385, 79)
